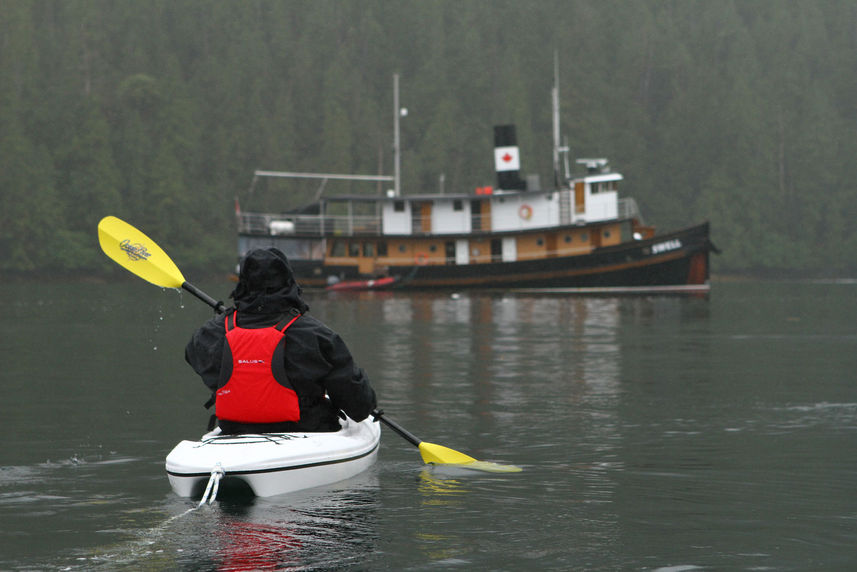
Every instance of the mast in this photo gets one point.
(555, 110)
(558, 148)
(397, 176)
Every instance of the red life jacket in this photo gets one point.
(257, 389)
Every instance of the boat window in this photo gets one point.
(382, 249)
(449, 249)
(606, 234)
(354, 249)
(584, 237)
(369, 249)
(540, 241)
(496, 250)
(433, 248)
(568, 238)
(457, 205)
(402, 248)
(337, 248)
(399, 206)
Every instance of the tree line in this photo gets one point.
(159, 111)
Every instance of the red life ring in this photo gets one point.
(421, 258)
(525, 212)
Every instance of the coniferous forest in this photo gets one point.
(159, 111)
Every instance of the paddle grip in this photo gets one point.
(218, 306)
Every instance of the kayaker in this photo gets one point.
(312, 376)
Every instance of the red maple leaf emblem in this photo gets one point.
(506, 158)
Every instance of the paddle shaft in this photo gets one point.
(407, 435)
(218, 306)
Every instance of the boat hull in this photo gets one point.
(275, 463)
(640, 264)
(673, 262)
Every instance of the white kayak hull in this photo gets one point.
(275, 463)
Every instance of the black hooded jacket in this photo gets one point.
(317, 360)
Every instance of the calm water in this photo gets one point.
(655, 434)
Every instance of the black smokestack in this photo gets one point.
(507, 159)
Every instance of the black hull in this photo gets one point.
(676, 261)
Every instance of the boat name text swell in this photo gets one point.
(673, 244)
(135, 251)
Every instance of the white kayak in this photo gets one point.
(274, 463)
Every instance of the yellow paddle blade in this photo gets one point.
(137, 253)
(440, 455)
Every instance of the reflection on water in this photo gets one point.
(322, 531)
(326, 528)
(440, 489)
(495, 369)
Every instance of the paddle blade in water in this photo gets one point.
(137, 253)
(440, 455)
(491, 467)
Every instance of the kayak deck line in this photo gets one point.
(278, 469)
(247, 438)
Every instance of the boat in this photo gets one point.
(382, 283)
(576, 235)
(273, 463)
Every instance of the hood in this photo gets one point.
(266, 284)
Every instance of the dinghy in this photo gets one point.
(374, 284)
(274, 463)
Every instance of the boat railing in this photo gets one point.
(367, 225)
(326, 225)
(284, 224)
(628, 208)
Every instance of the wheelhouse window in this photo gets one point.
(354, 249)
(603, 187)
(399, 206)
(382, 248)
(369, 249)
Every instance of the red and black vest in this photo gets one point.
(256, 389)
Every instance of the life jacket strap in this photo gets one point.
(288, 320)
